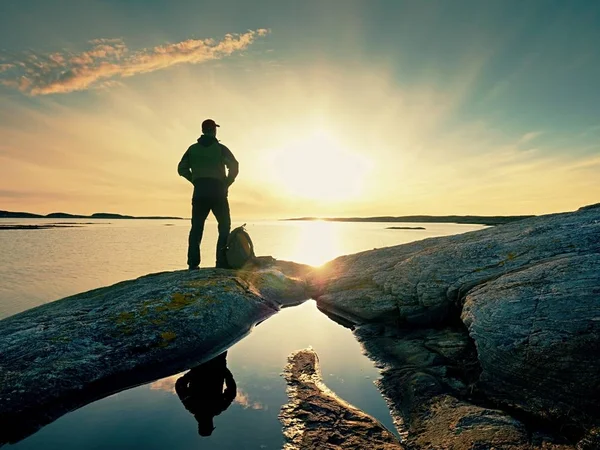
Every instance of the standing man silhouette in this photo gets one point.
(203, 165)
(201, 392)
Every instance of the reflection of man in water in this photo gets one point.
(201, 392)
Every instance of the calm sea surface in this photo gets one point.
(39, 266)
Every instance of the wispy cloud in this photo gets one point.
(110, 59)
(529, 136)
(243, 399)
(165, 384)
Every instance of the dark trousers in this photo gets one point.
(201, 207)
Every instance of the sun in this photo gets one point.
(318, 167)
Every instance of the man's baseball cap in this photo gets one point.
(209, 124)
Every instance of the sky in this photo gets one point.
(331, 107)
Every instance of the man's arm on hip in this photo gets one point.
(183, 168)
(233, 167)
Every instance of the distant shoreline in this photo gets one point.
(61, 215)
(470, 220)
(36, 227)
(466, 220)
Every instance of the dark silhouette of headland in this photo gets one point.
(62, 215)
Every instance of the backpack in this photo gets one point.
(240, 249)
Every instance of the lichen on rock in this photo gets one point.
(67, 353)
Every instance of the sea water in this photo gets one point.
(39, 266)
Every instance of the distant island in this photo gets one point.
(37, 227)
(61, 215)
(472, 220)
(405, 228)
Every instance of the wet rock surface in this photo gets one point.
(487, 339)
(315, 418)
(65, 354)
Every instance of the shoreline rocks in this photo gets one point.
(316, 419)
(522, 298)
(537, 333)
(65, 354)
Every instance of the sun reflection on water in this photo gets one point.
(316, 243)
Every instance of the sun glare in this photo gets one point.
(316, 243)
(318, 167)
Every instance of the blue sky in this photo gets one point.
(459, 106)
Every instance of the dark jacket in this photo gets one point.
(204, 163)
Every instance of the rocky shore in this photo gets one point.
(317, 419)
(65, 354)
(488, 339)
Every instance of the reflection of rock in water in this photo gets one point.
(424, 372)
(201, 392)
(315, 418)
